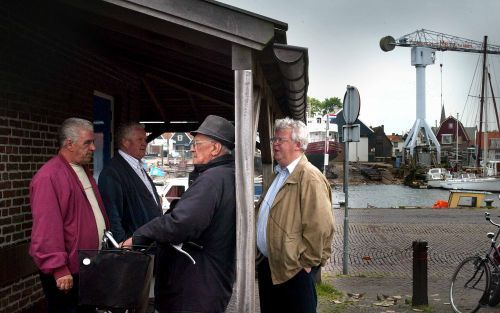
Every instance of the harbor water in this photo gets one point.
(393, 196)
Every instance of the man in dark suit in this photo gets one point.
(204, 222)
(128, 193)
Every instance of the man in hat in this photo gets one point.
(204, 222)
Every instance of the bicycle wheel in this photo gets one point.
(494, 286)
(470, 285)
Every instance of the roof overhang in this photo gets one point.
(182, 51)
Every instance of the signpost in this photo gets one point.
(327, 144)
(350, 133)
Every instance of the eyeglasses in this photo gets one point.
(199, 142)
(279, 140)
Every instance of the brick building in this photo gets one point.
(112, 62)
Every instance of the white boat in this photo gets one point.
(435, 176)
(471, 182)
(171, 189)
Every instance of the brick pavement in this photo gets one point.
(380, 254)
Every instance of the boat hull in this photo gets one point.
(315, 152)
(481, 184)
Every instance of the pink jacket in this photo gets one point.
(63, 221)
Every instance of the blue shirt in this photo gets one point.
(278, 182)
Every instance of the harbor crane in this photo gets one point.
(424, 43)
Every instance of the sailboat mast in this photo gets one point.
(494, 101)
(478, 141)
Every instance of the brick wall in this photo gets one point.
(44, 78)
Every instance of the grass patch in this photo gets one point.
(327, 296)
(326, 291)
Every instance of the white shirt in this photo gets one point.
(138, 168)
(89, 192)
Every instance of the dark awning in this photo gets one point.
(182, 53)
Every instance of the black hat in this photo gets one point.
(218, 128)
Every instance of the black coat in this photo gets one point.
(128, 202)
(204, 220)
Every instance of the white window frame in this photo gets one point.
(446, 139)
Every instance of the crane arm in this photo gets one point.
(437, 41)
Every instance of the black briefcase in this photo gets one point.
(114, 278)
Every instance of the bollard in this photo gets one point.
(420, 273)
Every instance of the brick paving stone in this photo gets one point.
(381, 256)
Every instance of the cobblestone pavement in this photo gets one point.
(380, 255)
(380, 252)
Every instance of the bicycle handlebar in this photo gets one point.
(487, 216)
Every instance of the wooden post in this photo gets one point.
(244, 290)
(420, 273)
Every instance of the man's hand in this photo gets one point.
(126, 243)
(65, 283)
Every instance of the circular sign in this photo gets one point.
(352, 103)
(86, 261)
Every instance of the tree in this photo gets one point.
(314, 105)
(331, 105)
(323, 107)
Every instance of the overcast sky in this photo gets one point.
(343, 36)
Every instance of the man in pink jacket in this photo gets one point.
(68, 215)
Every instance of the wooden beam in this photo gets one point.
(194, 108)
(192, 92)
(155, 101)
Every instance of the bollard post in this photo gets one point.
(420, 273)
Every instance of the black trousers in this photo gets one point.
(62, 302)
(297, 295)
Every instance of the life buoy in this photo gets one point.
(440, 204)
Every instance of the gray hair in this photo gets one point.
(299, 130)
(71, 127)
(224, 149)
(125, 130)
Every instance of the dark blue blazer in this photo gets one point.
(128, 202)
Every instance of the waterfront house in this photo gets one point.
(397, 144)
(454, 138)
(358, 151)
(382, 145)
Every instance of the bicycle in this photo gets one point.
(476, 281)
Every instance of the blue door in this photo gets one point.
(103, 115)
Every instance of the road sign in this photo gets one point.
(352, 104)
